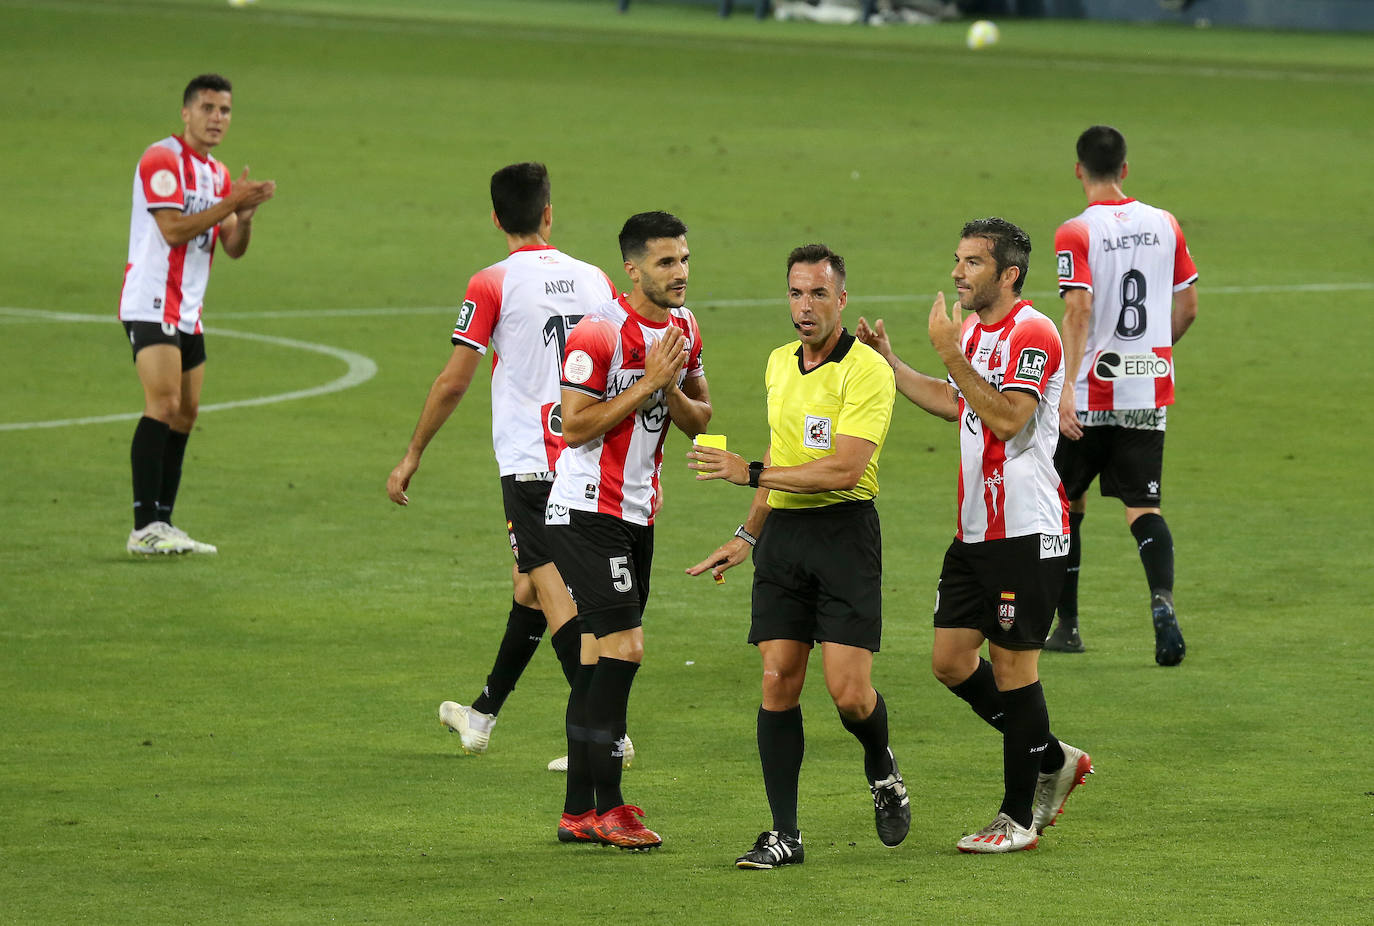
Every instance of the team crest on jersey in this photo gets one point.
(465, 315)
(816, 434)
(1110, 364)
(1065, 264)
(1031, 365)
(1006, 610)
(163, 183)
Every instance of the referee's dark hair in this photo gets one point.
(519, 193)
(212, 82)
(1010, 246)
(1102, 151)
(644, 227)
(815, 254)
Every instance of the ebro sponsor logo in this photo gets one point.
(1110, 364)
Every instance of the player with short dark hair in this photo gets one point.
(183, 205)
(631, 367)
(816, 542)
(522, 308)
(1127, 280)
(1002, 573)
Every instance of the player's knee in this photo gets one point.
(164, 406)
(851, 700)
(780, 688)
(949, 671)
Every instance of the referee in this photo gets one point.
(817, 547)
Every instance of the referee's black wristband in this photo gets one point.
(755, 471)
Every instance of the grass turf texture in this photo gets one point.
(251, 738)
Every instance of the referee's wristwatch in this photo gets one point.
(744, 535)
(755, 470)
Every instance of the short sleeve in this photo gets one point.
(869, 390)
(1071, 255)
(1034, 353)
(481, 309)
(160, 175)
(587, 359)
(1185, 271)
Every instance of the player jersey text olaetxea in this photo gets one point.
(523, 308)
(162, 283)
(618, 473)
(1010, 488)
(1132, 258)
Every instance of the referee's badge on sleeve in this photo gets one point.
(816, 434)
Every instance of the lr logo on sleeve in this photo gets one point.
(1065, 264)
(465, 315)
(817, 433)
(1031, 365)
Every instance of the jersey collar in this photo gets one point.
(1112, 202)
(837, 353)
(535, 247)
(1008, 318)
(625, 304)
(186, 146)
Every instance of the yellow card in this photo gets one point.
(710, 440)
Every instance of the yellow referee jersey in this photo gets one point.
(850, 393)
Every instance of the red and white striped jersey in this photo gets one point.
(617, 473)
(523, 308)
(163, 283)
(1010, 488)
(1132, 258)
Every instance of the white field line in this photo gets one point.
(360, 370)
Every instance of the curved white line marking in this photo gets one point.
(360, 370)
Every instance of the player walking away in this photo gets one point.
(1003, 572)
(817, 548)
(631, 366)
(522, 308)
(183, 205)
(1127, 281)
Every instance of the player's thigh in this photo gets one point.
(551, 595)
(158, 366)
(1134, 472)
(625, 645)
(954, 654)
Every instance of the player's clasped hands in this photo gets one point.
(253, 192)
(666, 358)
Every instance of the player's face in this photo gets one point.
(975, 275)
(207, 119)
(661, 274)
(816, 297)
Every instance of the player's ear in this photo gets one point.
(1078, 170)
(495, 221)
(1125, 166)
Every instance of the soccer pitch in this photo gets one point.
(251, 738)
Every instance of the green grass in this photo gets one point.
(251, 738)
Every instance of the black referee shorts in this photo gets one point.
(606, 563)
(1005, 589)
(818, 575)
(1130, 462)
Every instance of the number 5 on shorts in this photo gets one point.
(620, 572)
